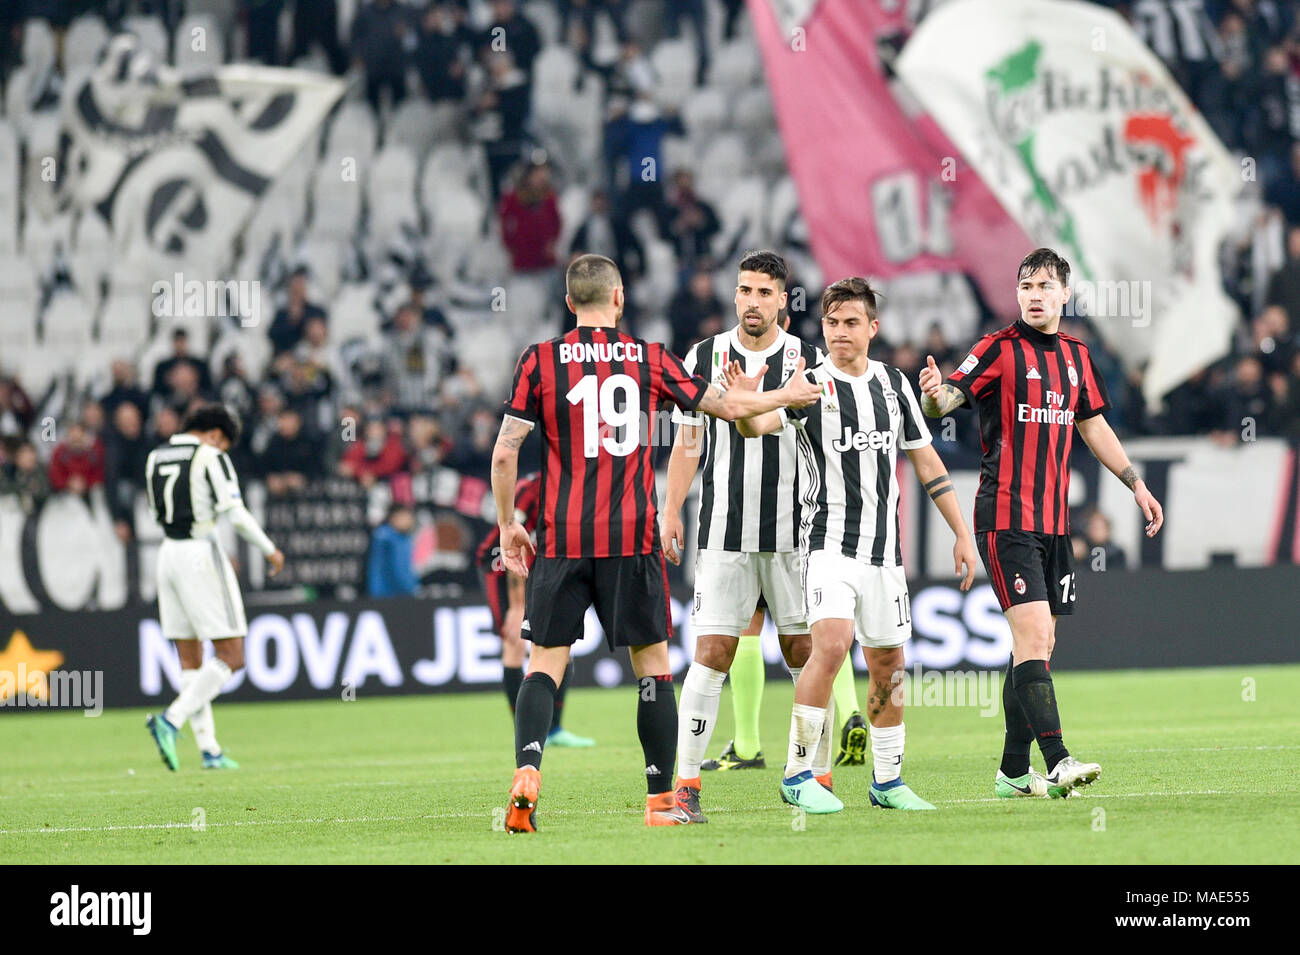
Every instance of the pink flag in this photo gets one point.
(884, 192)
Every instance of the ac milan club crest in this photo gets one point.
(1020, 585)
(1074, 375)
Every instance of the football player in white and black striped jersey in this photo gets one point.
(848, 445)
(190, 481)
(748, 537)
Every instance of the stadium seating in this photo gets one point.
(152, 34)
(9, 192)
(86, 36)
(199, 30)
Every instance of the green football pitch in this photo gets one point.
(1198, 766)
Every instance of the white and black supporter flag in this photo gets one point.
(176, 164)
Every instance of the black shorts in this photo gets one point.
(1024, 566)
(630, 595)
(497, 585)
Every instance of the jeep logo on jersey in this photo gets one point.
(865, 440)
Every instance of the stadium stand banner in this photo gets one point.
(176, 164)
(883, 191)
(1091, 145)
(351, 650)
(323, 532)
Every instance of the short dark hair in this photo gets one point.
(852, 289)
(208, 416)
(1044, 259)
(589, 280)
(762, 260)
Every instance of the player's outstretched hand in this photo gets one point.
(931, 378)
(672, 537)
(1151, 509)
(963, 556)
(736, 377)
(515, 544)
(276, 560)
(799, 391)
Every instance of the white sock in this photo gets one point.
(202, 723)
(794, 673)
(697, 714)
(805, 730)
(887, 752)
(821, 764)
(206, 684)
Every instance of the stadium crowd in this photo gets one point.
(419, 389)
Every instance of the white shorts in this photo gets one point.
(874, 598)
(728, 584)
(198, 595)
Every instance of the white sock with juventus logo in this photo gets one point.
(202, 723)
(821, 764)
(805, 730)
(887, 751)
(208, 681)
(697, 714)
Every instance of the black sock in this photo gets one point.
(1037, 698)
(510, 683)
(533, 709)
(1019, 737)
(656, 725)
(559, 706)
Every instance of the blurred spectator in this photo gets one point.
(602, 234)
(166, 422)
(1246, 399)
(1271, 119)
(734, 8)
(444, 51)
(1284, 286)
(125, 388)
(125, 449)
(382, 35)
(937, 344)
(907, 359)
(290, 456)
(78, 461)
(390, 573)
(169, 377)
(426, 446)
(234, 390)
(674, 10)
(307, 376)
(471, 454)
(500, 116)
(25, 478)
(17, 414)
(1284, 191)
(377, 456)
(417, 358)
(530, 220)
(263, 19)
(578, 22)
(633, 146)
(1273, 341)
(265, 420)
(690, 223)
(695, 312)
(287, 326)
(431, 315)
(510, 34)
(1097, 537)
(1286, 401)
(317, 21)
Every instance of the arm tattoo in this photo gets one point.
(950, 398)
(940, 491)
(1129, 477)
(711, 403)
(512, 434)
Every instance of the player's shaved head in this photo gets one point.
(1055, 265)
(852, 289)
(590, 281)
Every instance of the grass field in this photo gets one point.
(1192, 773)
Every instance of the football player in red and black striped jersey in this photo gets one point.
(596, 394)
(1032, 385)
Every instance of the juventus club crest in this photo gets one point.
(697, 603)
(817, 596)
(891, 401)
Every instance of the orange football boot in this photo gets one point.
(661, 809)
(521, 815)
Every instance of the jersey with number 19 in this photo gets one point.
(596, 393)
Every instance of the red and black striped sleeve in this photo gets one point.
(1093, 397)
(980, 369)
(528, 495)
(676, 384)
(526, 391)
